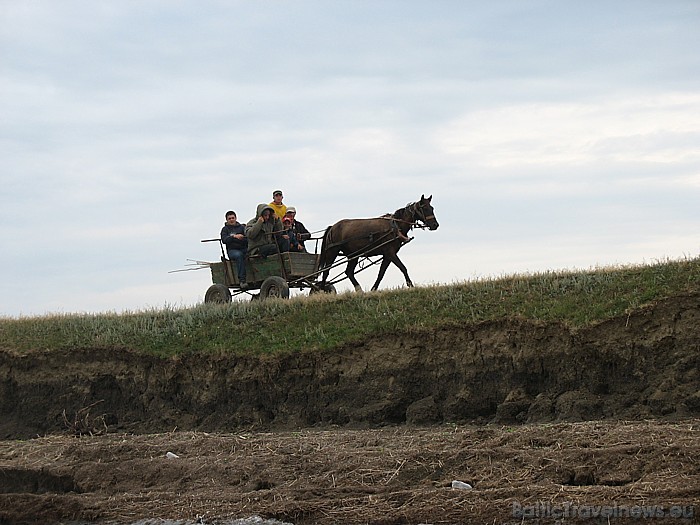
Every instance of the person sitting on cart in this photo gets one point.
(299, 231)
(233, 236)
(294, 245)
(265, 233)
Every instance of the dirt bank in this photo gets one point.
(590, 422)
(645, 364)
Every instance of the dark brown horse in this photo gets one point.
(383, 236)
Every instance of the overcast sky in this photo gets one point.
(551, 134)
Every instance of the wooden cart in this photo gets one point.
(273, 276)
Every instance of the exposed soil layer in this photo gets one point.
(549, 400)
(646, 364)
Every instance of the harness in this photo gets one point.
(415, 211)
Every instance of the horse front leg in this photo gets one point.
(382, 271)
(401, 266)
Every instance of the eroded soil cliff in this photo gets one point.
(646, 364)
(602, 419)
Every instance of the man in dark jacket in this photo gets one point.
(264, 233)
(298, 229)
(233, 236)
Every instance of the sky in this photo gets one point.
(552, 135)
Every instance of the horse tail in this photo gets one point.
(322, 260)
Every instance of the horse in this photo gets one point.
(383, 236)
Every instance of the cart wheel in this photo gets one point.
(328, 288)
(274, 287)
(217, 293)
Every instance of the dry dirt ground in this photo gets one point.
(588, 472)
(547, 423)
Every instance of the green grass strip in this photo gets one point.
(576, 298)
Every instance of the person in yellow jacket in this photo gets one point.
(276, 204)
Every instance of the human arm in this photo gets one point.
(254, 228)
(301, 232)
(233, 236)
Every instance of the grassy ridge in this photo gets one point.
(577, 298)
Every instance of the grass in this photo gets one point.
(576, 298)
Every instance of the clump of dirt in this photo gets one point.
(386, 476)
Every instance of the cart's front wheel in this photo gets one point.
(274, 287)
(217, 293)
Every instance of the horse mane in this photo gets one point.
(403, 213)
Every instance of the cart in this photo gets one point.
(272, 276)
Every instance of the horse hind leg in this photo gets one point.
(350, 272)
(327, 262)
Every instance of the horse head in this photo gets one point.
(423, 212)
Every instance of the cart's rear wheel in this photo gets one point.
(274, 287)
(217, 293)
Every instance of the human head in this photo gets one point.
(291, 212)
(230, 215)
(277, 196)
(267, 213)
(287, 221)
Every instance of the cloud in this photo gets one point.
(130, 127)
(641, 129)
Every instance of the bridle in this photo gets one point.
(418, 213)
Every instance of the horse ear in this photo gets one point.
(422, 198)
